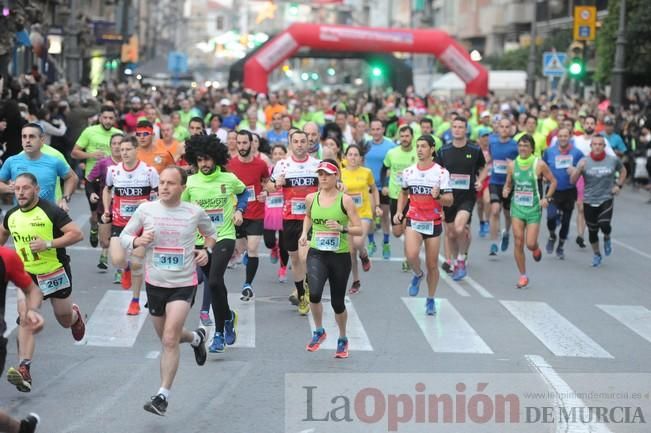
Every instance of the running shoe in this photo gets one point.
(117, 276)
(234, 261)
(78, 328)
(342, 348)
(29, 423)
(505, 241)
(484, 229)
(405, 266)
(354, 289)
(430, 306)
(494, 249)
(282, 275)
(134, 308)
(537, 254)
(94, 238)
(550, 245)
(247, 293)
(275, 254)
(157, 405)
(125, 279)
(204, 318)
(200, 350)
(103, 263)
(414, 287)
(318, 337)
(372, 248)
(447, 267)
(459, 271)
(217, 345)
(522, 282)
(366, 263)
(293, 298)
(20, 378)
(304, 302)
(608, 247)
(580, 242)
(560, 253)
(386, 251)
(596, 260)
(230, 329)
(245, 258)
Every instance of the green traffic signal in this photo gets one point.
(576, 67)
(377, 72)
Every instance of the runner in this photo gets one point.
(598, 171)
(425, 189)
(466, 166)
(502, 149)
(561, 158)
(212, 188)
(167, 232)
(483, 194)
(311, 129)
(297, 176)
(254, 173)
(396, 160)
(273, 222)
(523, 179)
(156, 156)
(128, 184)
(41, 231)
(92, 145)
(358, 181)
(331, 217)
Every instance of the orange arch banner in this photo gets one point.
(364, 39)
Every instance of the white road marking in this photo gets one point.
(635, 317)
(109, 324)
(154, 354)
(357, 338)
(630, 248)
(447, 331)
(560, 336)
(474, 284)
(245, 320)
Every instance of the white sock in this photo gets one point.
(165, 393)
(196, 339)
(461, 258)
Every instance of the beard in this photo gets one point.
(589, 131)
(244, 153)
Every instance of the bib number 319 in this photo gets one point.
(168, 259)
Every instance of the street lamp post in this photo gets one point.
(617, 84)
(531, 65)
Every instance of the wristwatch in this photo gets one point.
(48, 245)
(66, 198)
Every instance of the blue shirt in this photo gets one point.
(374, 158)
(559, 162)
(277, 137)
(47, 170)
(616, 142)
(231, 121)
(501, 153)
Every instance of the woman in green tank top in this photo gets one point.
(330, 216)
(522, 178)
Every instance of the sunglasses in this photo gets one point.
(143, 134)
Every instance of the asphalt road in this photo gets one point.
(574, 327)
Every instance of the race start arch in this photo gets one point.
(364, 39)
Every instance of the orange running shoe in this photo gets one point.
(522, 282)
(126, 279)
(134, 308)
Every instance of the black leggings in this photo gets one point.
(562, 204)
(270, 242)
(215, 269)
(325, 266)
(598, 217)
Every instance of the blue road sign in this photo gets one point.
(554, 64)
(177, 62)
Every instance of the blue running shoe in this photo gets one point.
(505, 241)
(596, 260)
(230, 329)
(459, 271)
(608, 247)
(494, 250)
(342, 348)
(245, 258)
(550, 245)
(414, 287)
(217, 345)
(430, 306)
(484, 229)
(372, 248)
(247, 293)
(386, 251)
(318, 337)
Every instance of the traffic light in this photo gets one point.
(293, 9)
(376, 71)
(576, 68)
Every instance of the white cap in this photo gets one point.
(225, 101)
(485, 113)
(505, 107)
(136, 100)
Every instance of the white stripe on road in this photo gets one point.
(630, 248)
(11, 310)
(245, 320)
(109, 324)
(453, 284)
(447, 331)
(568, 402)
(357, 338)
(635, 317)
(553, 330)
(474, 284)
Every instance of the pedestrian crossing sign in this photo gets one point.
(554, 64)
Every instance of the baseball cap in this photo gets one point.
(485, 113)
(483, 132)
(328, 167)
(609, 120)
(225, 101)
(136, 100)
(505, 107)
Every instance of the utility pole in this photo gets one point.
(617, 82)
(531, 65)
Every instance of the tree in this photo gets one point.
(638, 42)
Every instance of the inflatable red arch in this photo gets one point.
(366, 39)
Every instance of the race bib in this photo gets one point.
(128, 207)
(216, 216)
(424, 227)
(357, 199)
(251, 191)
(327, 241)
(500, 167)
(563, 161)
(275, 201)
(168, 258)
(53, 282)
(523, 198)
(460, 181)
(298, 206)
